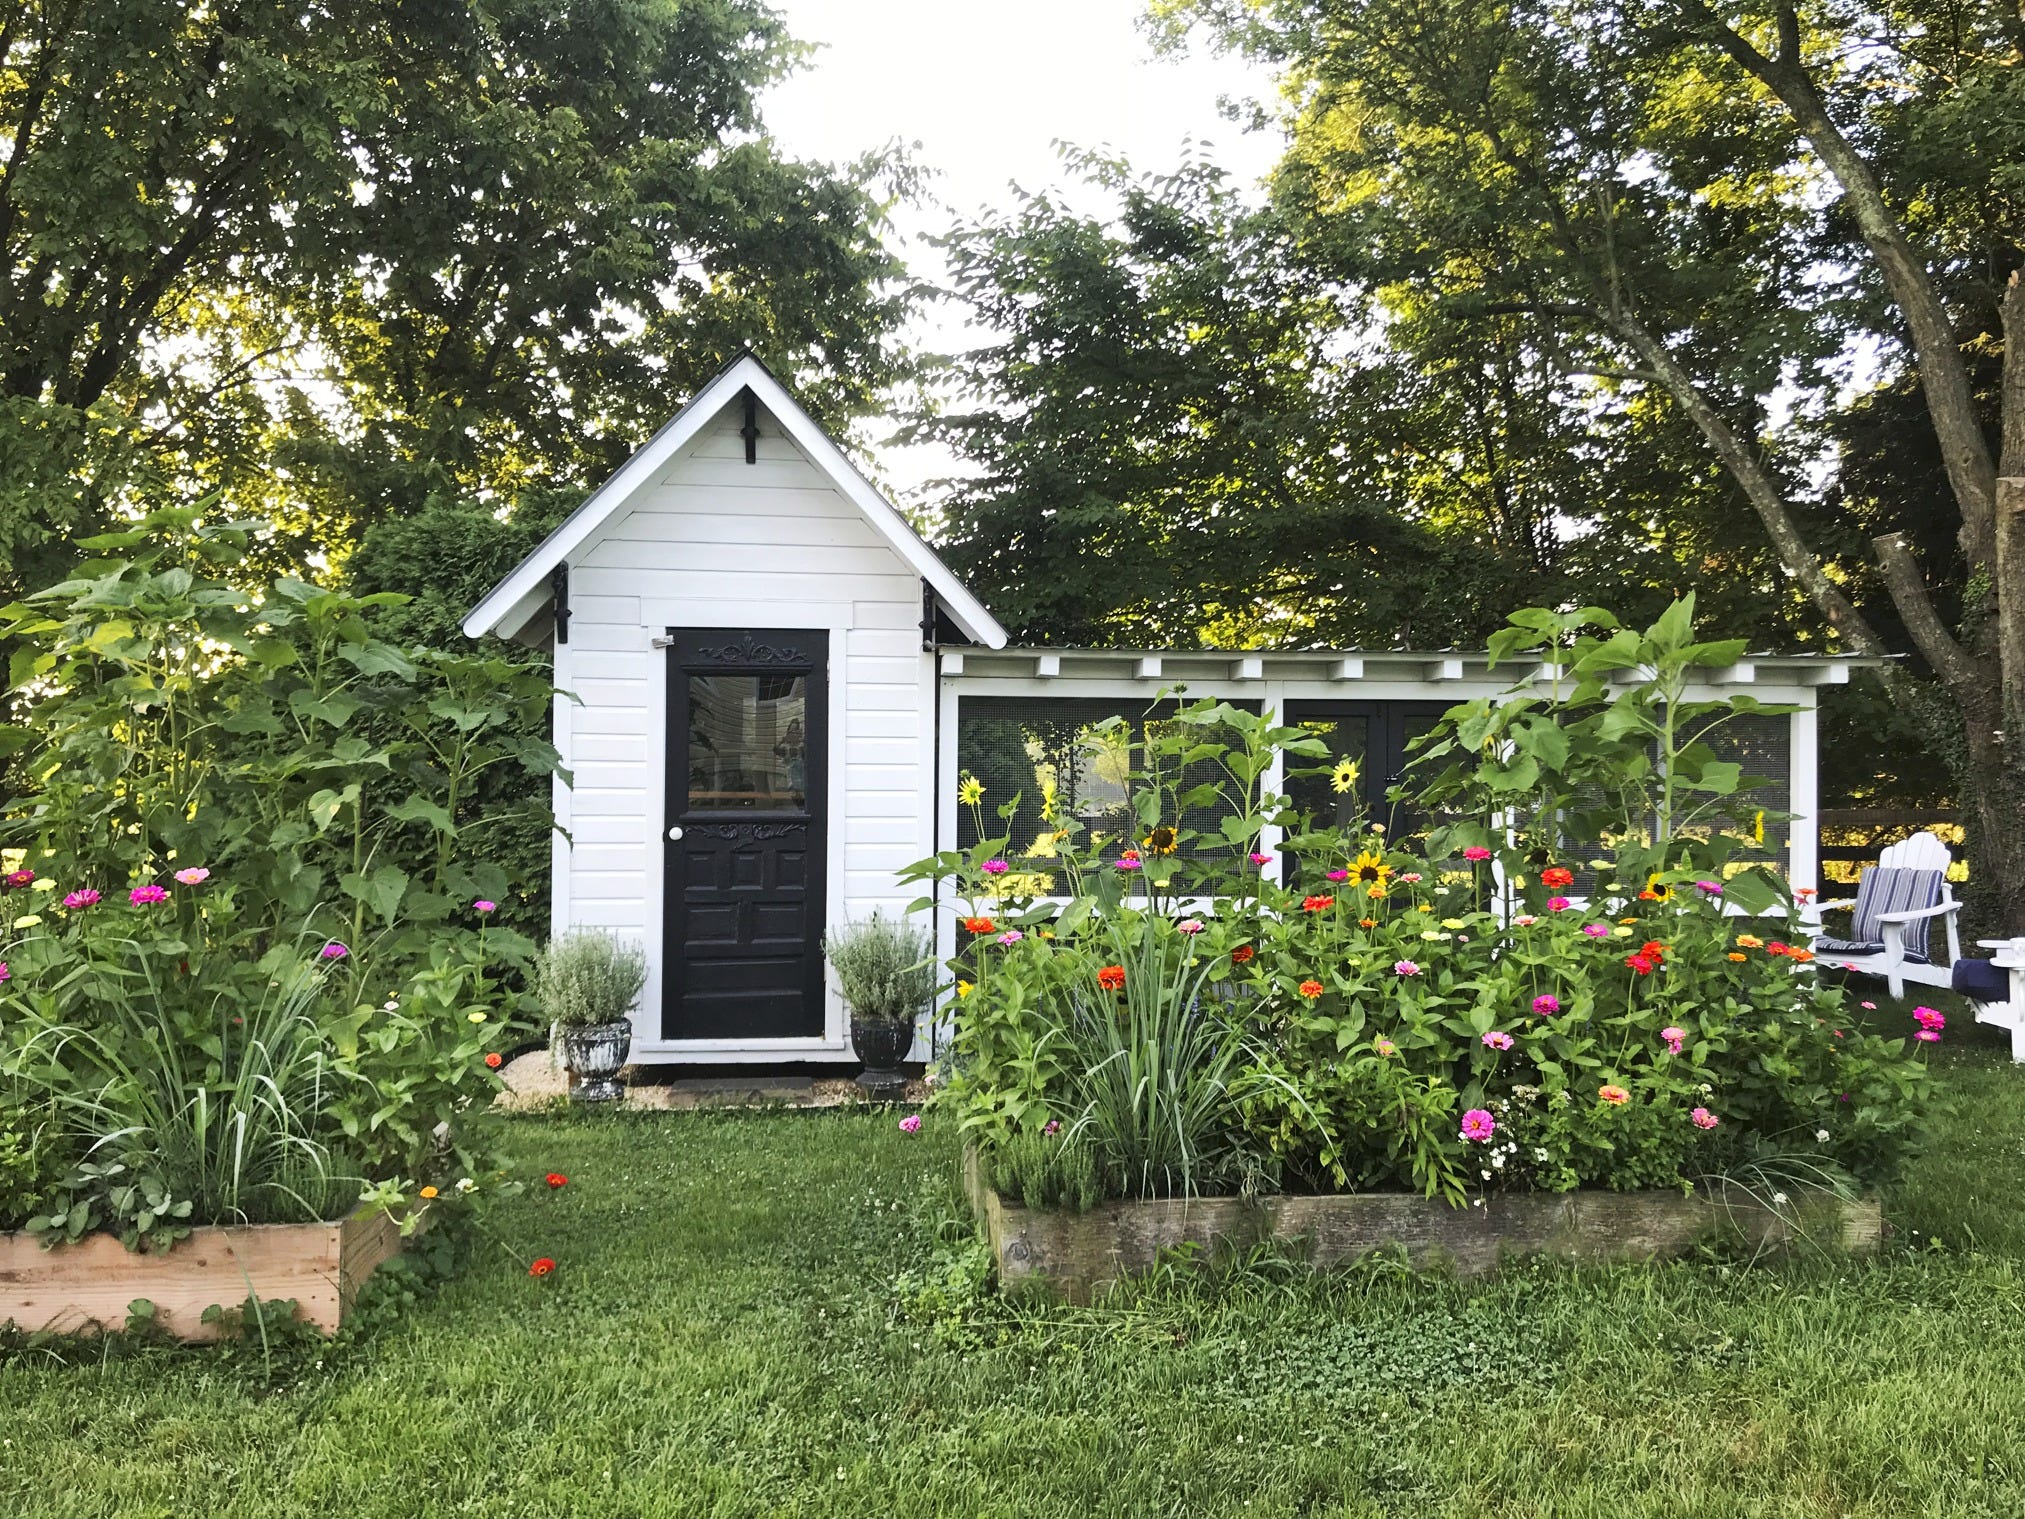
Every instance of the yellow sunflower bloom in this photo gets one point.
(1159, 841)
(1370, 867)
(970, 791)
(1659, 889)
(1344, 777)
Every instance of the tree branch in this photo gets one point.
(1901, 574)
(2011, 406)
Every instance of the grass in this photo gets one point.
(721, 1338)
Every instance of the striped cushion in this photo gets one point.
(1896, 889)
(1826, 948)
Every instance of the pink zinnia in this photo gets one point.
(1478, 1124)
(84, 898)
(1476, 852)
(1595, 930)
(1411, 878)
(1928, 1036)
(482, 906)
(1011, 936)
(1558, 904)
(1339, 875)
(1673, 1038)
(1702, 1118)
(334, 951)
(1189, 926)
(19, 878)
(1525, 920)
(1498, 1039)
(1261, 859)
(1385, 1046)
(5, 973)
(994, 867)
(1708, 888)
(1127, 864)
(1547, 1004)
(1052, 1127)
(147, 896)
(1405, 968)
(911, 1124)
(196, 875)
(1926, 1017)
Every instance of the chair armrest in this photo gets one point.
(1840, 904)
(1923, 912)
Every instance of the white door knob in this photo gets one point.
(674, 833)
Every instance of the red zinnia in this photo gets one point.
(1776, 948)
(1652, 949)
(557, 1179)
(492, 1061)
(1317, 904)
(978, 925)
(1557, 875)
(1639, 963)
(1111, 977)
(541, 1267)
(1241, 954)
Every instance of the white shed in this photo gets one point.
(775, 684)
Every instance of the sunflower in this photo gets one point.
(1370, 867)
(1656, 890)
(1758, 827)
(1160, 841)
(970, 791)
(1344, 777)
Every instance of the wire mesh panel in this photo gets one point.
(1056, 755)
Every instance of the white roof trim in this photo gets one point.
(514, 600)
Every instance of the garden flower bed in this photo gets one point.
(1075, 1256)
(89, 1285)
(1573, 1011)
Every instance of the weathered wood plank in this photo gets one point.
(1076, 1255)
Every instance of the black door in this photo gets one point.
(747, 785)
(1375, 734)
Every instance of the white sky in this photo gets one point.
(986, 91)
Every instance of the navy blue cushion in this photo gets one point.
(1829, 948)
(1981, 981)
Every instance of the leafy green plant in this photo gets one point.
(587, 977)
(885, 968)
(1450, 1012)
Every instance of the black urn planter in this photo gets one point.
(882, 1044)
(593, 1054)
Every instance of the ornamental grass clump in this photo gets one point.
(586, 978)
(885, 967)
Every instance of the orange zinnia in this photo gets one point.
(1367, 922)
(1317, 904)
(492, 1061)
(1241, 954)
(1557, 875)
(1616, 1096)
(1311, 989)
(978, 925)
(1737, 957)
(541, 1267)
(1111, 977)
(1799, 956)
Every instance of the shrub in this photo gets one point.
(886, 969)
(587, 977)
(251, 962)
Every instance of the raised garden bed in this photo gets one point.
(88, 1286)
(1076, 1255)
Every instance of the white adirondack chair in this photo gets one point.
(1893, 910)
(1997, 988)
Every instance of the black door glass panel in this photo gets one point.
(748, 743)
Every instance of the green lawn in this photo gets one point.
(721, 1339)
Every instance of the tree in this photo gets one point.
(1714, 209)
(1183, 435)
(332, 260)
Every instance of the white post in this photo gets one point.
(1804, 796)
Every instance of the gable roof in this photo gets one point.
(520, 597)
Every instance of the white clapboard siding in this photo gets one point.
(713, 541)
